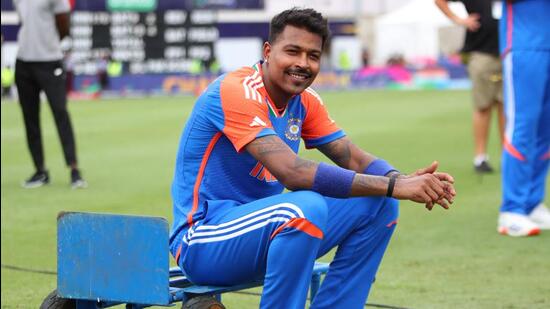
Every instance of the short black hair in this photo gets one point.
(308, 19)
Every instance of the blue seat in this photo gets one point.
(105, 260)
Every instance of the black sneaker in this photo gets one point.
(76, 180)
(484, 168)
(38, 179)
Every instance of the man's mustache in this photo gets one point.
(300, 72)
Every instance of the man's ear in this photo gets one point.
(266, 51)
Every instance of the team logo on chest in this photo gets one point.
(292, 131)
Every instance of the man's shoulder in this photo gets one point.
(241, 75)
(310, 96)
(242, 84)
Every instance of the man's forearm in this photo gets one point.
(296, 173)
(334, 181)
(347, 155)
(369, 185)
(444, 7)
(62, 23)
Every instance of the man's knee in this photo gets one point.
(313, 207)
(389, 212)
(59, 110)
(381, 209)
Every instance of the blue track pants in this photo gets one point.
(278, 238)
(526, 154)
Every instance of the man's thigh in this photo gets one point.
(51, 77)
(230, 245)
(526, 88)
(348, 215)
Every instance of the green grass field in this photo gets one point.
(126, 148)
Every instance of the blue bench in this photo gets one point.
(105, 260)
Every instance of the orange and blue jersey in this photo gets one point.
(212, 168)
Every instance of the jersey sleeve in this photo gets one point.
(318, 127)
(245, 112)
(60, 6)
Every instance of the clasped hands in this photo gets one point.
(427, 186)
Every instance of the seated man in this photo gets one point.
(233, 224)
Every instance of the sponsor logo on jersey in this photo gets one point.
(261, 173)
(258, 122)
(292, 131)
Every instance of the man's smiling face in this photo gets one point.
(293, 59)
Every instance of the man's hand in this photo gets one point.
(427, 186)
(471, 22)
(432, 169)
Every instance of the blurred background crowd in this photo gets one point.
(129, 48)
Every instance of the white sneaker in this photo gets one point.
(516, 225)
(541, 216)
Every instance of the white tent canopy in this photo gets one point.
(412, 30)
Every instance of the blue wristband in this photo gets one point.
(379, 167)
(333, 181)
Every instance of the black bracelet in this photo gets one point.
(391, 184)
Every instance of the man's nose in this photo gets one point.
(303, 61)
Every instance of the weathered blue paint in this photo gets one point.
(113, 258)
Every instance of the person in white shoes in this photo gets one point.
(515, 224)
(525, 48)
(541, 216)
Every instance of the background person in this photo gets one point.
(102, 77)
(525, 46)
(232, 223)
(39, 68)
(485, 70)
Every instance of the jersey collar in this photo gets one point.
(273, 110)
